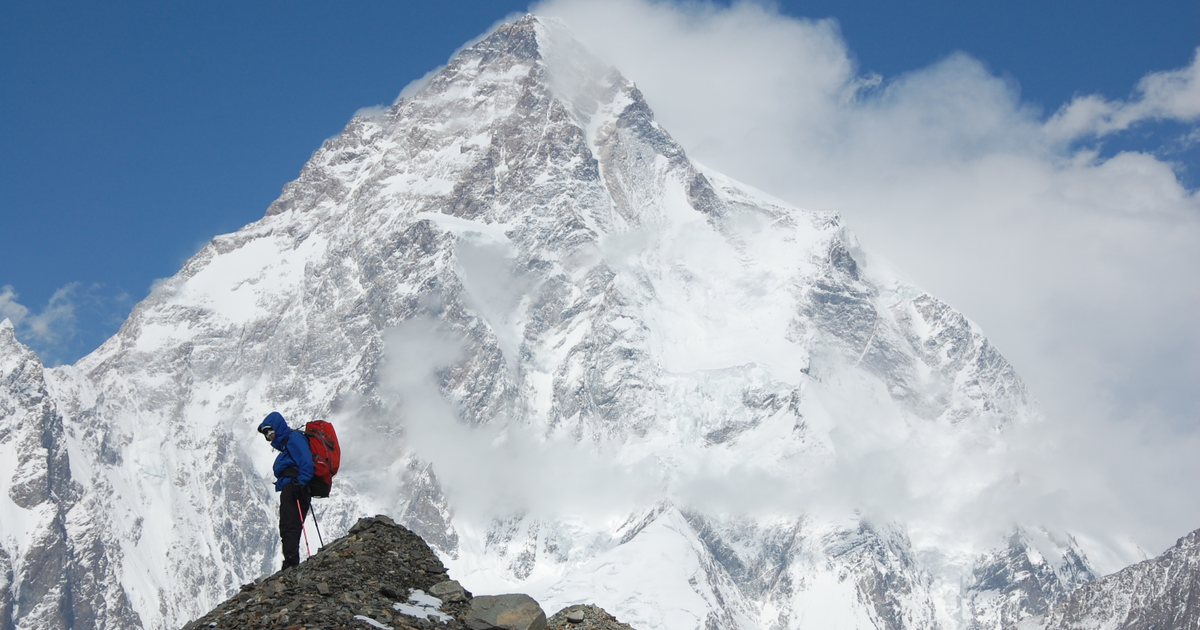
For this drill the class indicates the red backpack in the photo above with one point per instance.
(327, 456)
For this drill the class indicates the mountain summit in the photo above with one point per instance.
(578, 364)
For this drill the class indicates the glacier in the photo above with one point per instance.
(577, 363)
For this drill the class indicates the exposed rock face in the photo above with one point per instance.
(1157, 594)
(599, 291)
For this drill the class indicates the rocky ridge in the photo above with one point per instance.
(1158, 594)
(382, 575)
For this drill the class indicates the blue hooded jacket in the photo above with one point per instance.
(293, 453)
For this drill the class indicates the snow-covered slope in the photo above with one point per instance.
(577, 363)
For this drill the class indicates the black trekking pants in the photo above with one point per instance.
(294, 503)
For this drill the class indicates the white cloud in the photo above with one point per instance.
(45, 331)
(10, 308)
(499, 468)
(56, 322)
(1081, 268)
(1167, 95)
(374, 112)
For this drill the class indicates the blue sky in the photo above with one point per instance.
(132, 132)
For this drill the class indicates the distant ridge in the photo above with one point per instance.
(1162, 593)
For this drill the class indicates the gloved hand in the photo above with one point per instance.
(281, 482)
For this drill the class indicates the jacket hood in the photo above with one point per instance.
(277, 423)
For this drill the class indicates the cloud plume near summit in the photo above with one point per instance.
(978, 196)
(1079, 265)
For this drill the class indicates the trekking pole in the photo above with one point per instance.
(312, 510)
(301, 511)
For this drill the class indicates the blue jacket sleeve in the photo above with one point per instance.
(297, 447)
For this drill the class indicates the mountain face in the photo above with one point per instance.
(575, 362)
(55, 570)
(1163, 592)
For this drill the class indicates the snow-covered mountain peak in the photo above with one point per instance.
(554, 347)
(10, 348)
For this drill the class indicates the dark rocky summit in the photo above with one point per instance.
(381, 575)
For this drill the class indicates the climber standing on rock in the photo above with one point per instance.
(293, 470)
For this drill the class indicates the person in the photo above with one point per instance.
(293, 470)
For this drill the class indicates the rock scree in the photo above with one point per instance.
(381, 575)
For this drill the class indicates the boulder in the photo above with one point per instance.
(506, 612)
(448, 591)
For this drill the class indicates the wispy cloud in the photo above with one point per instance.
(1166, 95)
(54, 333)
(45, 330)
(496, 469)
(1080, 266)
(10, 308)
(56, 323)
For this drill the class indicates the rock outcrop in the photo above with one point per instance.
(382, 575)
(585, 617)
